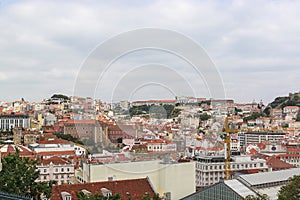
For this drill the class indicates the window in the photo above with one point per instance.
(56, 170)
(62, 176)
(45, 170)
(68, 197)
(62, 169)
(68, 169)
(56, 176)
(45, 177)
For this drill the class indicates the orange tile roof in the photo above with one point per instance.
(136, 188)
(278, 164)
(49, 153)
(81, 122)
(291, 107)
(11, 149)
(55, 141)
(290, 149)
(55, 160)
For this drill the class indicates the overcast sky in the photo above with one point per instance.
(255, 46)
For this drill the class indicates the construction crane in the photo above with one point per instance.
(229, 129)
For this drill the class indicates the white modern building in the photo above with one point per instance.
(258, 137)
(210, 169)
(8, 122)
(170, 179)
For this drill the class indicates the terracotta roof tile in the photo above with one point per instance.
(49, 153)
(55, 160)
(136, 188)
(54, 141)
(278, 164)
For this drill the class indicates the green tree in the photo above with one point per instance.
(60, 96)
(267, 111)
(298, 117)
(69, 137)
(148, 197)
(18, 176)
(254, 116)
(258, 197)
(205, 116)
(237, 110)
(285, 126)
(291, 191)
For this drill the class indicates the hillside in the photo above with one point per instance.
(281, 102)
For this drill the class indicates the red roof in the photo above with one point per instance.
(11, 149)
(55, 160)
(54, 141)
(290, 149)
(49, 153)
(278, 164)
(81, 122)
(133, 188)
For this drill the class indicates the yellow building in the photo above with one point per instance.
(174, 180)
(30, 138)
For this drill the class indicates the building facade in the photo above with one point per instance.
(55, 168)
(8, 122)
(258, 137)
(169, 179)
(211, 169)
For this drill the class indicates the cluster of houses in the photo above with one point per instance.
(80, 141)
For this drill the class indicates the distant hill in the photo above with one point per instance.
(281, 102)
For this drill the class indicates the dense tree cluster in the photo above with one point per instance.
(60, 96)
(254, 116)
(156, 111)
(18, 177)
(69, 138)
(290, 191)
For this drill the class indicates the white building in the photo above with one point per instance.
(53, 146)
(171, 179)
(55, 168)
(8, 122)
(211, 169)
(258, 137)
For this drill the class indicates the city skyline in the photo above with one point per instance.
(255, 48)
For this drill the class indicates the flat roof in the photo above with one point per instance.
(264, 133)
(239, 188)
(269, 177)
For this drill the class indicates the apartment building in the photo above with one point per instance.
(9, 121)
(210, 169)
(258, 137)
(172, 179)
(56, 168)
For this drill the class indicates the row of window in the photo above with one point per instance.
(233, 166)
(57, 170)
(45, 177)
